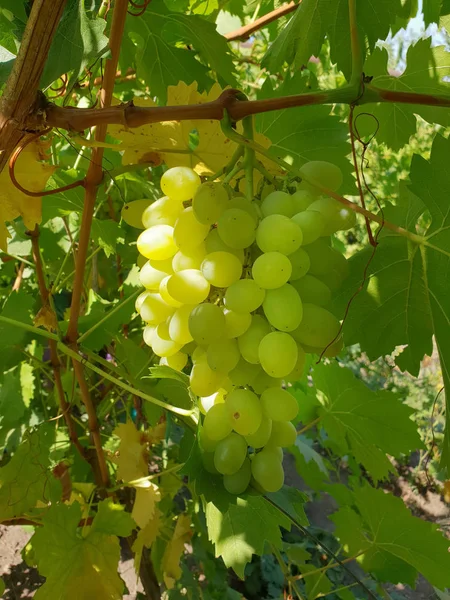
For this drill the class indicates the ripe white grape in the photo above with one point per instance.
(300, 264)
(140, 299)
(157, 242)
(150, 277)
(283, 434)
(177, 361)
(230, 454)
(188, 286)
(209, 202)
(244, 296)
(223, 355)
(278, 233)
(214, 243)
(164, 211)
(188, 232)
(261, 435)
(278, 203)
(246, 205)
(312, 290)
(245, 410)
(236, 323)
(263, 381)
(189, 259)
(279, 404)
(221, 269)
(278, 353)
(318, 327)
(312, 224)
(336, 216)
(132, 213)
(283, 308)
(268, 471)
(154, 310)
(218, 423)
(180, 183)
(179, 325)
(238, 482)
(162, 344)
(272, 270)
(162, 265)
(244, 373)
(236, 228)
(250, 340)
(301, 199)
(203, 380)
(322, 172)
(207, 324)
(165, 293)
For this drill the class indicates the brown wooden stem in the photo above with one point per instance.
(243, 33)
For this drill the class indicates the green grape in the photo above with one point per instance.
(148, 333)
(209, 202)
(208, 463)
(238, 482)
(165, 294)
(221, 269)
(268, 471)
(189, 259)
(263, 381)
(217, 423)
(188, 286)
(261, 435)
(164, 211)
(336, 216)
(206, 402)
(244, 373)
(318, 327)
(311, 223)
(279, 404)
(322, 172)
(207, 324)
(203, 380)
(162, 265)
(230, 454)
(157, 242)
(140, 299)
(180, 183)
(199, 354)
(283, 434)
(214, 243)
(162, 344)
(244, 296)
(250, 340)
(154, 310)
(301, 199)
(150, 277)
(245, 204)
(278, 233)
(188, 232)
(177, 361)
(297, 372)
(236, 323)
(278, 353)
(189, 347)
(283, 308)
(312, 290)
(272, 270)
(300, 264)
(278, 203)
(236, 228)
(206, 443)
(223, 355)
(179, 325)
(132, 213)
(330, 352)
(320, 255)
(338, 270)
(267, 189)
(245, 410)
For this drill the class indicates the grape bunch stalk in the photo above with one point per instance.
(236, 292)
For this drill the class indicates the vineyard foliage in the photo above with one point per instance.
(121, 428)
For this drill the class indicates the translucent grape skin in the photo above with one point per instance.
(322, 172)
(179, 325)
(203, 380)
(236, 323)
(223, 355)
(283, 434)
(236, 228)
(162, 344)
(150, 277)
(189, 259)
(217, 424)
(244, 373)
(157, 242)
(209, 202)
(283, 308)
(245, 204)
(271, 270)
(268, 471)
(279, 404)
(238, 482)
(164, 211)
(188, 232)
(154, 310)
(278, 353)
(244, 296)
(207, 324)
(230, 454)
(132, 213)
(300, 264)
(245, 410)
(335, 216)
(261, 435)
(318, 327)
(214, 243)
(312, 224)
(177, 361)
(188, 286)
(301, 199)
(250, 340)
(221, 269)
(312, 290)
(278, 203)
(278, 233)
(180, 183)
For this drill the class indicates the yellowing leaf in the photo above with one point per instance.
(174, 550)
(132, 459)
(145, 504)
(146, 537)
(32, 173)
(46, 318)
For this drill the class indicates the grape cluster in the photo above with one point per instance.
(239, 288)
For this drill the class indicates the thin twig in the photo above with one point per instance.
(243, 33)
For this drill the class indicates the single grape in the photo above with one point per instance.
(140, 300)
(279, 404)
(236, 323)
(214, 243)
(278, 233)
(206, 443)
(312, 224)
(272, 270)
(312, 290)
(208, 463)
(297, 372)
(283, 308)
(189, 259)
(132, 213)
(300, 264)
(263, 381)
(164, 211)
(165, 294)
(236, 228)
(179, 325)
(177, 361)
(157, 242)
(278, 203)
(188, 232)
(154, 310)
(162, 265)
(217, 423)
(207, 324)
(245, 410)
(246, 205)
(188, 286)
(335, 216)
(150, 277)
(180, 183)
(230, 454)
(301, 199)
(148, 333)
(199, 355)
(162, 344)
(209, 202)
(268, 471)
(283, 434)
(261, 435)
(275, 450)
(223, 355)
(203, 380)
(244, 373)
(221, 269)
(322, 172)
(320, 254)
(318, 327)
(278, 353)
(250, 340)
(244, 296)
(238, 482)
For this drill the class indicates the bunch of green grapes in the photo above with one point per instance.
(236, 292)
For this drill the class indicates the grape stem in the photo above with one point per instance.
(249, 157)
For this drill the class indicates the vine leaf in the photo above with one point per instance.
(144, 507)
(132, 453)
(174, 550)
(32, 172)
(81, 565)
(395, 544)
(146, 537)
(425, 72)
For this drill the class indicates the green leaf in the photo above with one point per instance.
(79, 566)
(12, 407)
(424, 74)
(243, 530)
(309, 454)
(292, 501)
(165, 372)
(369, 424)
(431, 11)
(18, 306)
(107, 234)
(111, 519)
(16, 7)
(79, 40)
(134, 359)
(396, 545)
